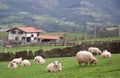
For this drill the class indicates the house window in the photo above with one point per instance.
(32, 35)
(13, 32)
(34, 38)
(16, 38)
(20, 32)
(23, 38)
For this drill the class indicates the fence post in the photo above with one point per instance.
(53, 45)
(65, 44)
(5, 50)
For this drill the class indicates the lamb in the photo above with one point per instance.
(85, 57)
(17, 60)
(25, 63)
(94, 50)
(39, 60)
(106, 54)
(54, 67)
(12, 65)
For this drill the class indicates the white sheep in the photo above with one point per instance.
(94, 50)
(106, 54)
(85, 57)
(17, 60)
(12, 65)
(54, 67)
(25, 63)
(39, 60)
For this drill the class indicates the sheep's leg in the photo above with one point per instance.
(79, 63)
(86, 63)
(48, 71)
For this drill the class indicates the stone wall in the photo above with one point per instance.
(113, 47)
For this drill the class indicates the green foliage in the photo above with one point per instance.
(43, 18)
(105, 68)
(3, 7)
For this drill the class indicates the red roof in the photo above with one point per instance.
(49, 37)
(26, 29)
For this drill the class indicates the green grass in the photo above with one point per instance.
(3, 34)
(67, 34)
(103, 39)
(11, 25)
(31, 48)
(43, 18)
(105, 68)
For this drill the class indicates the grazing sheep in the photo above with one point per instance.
(94, 50)
(106, 54)
(12, 65)
(25, 63)
(85, 57)
(39, 60)
(17, 60)
(54, 67)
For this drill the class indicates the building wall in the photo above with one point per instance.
(18, 36)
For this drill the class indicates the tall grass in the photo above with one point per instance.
(105, 68)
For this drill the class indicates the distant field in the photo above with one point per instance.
(12, 25)
(30, 48)
(3, 34)
(67, 34)
(103, 39)
(105, 68)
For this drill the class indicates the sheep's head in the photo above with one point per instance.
(11, 64)
(100, 52)
(93, 61)
(56, 64)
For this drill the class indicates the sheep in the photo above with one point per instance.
(25, 63)
(12, 65)
(17, 60)
(94, 50)
(54, 67)
(85, 57)
(106, 54)
(39, 60)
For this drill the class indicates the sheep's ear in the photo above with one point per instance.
(58, 62)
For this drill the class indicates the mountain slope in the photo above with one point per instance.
(93, 12)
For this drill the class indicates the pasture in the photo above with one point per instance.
(30, 48)
(105, 68)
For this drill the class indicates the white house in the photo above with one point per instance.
(24, 34)
(30, 35)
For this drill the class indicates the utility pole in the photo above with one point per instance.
(94, 34)
(119, 30)
(84, 27)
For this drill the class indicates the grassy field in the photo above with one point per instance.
(103, 39)
(67, 34)
(105, 68)
(31, 48)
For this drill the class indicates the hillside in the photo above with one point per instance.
(59, 15)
